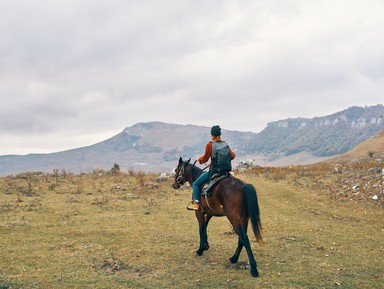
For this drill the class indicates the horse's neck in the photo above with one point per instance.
(194, 175)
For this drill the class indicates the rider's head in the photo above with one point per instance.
(216, 131)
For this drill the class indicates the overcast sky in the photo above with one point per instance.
(76, 72)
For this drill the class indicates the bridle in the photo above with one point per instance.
(180, 178)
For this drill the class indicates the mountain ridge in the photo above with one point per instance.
(156, 146)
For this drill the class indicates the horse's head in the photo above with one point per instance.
(180, 176)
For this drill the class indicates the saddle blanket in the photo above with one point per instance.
(213, 182)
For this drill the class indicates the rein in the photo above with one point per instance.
(181, 177)
(194, 165)
(206, 167)
(201, 169)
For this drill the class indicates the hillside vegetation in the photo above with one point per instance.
(131, 230)
(369, 149)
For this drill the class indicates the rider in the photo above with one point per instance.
(204, 177)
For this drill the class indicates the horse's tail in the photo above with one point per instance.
(253, 210)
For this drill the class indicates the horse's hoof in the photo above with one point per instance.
(233, 260)
(254, 273)
(200, 252)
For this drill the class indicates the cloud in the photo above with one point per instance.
(90, 68)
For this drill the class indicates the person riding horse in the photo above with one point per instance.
(232, 198)
(213, 168)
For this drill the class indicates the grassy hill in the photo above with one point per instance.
(371, 148)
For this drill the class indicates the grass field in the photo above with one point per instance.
(130, 230)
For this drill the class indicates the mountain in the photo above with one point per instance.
(153, 146)
(321, 136)
(156, 146)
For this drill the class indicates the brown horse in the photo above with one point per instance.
(232, 198)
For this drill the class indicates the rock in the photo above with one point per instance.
(337, 171)
(162, 177)
(244, 165)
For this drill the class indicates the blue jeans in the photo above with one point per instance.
(204, 177)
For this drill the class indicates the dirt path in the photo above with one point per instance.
(316, 242)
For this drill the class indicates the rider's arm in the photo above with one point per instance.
(233, 155)
(207, 154)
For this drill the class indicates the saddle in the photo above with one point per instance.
(213, 182)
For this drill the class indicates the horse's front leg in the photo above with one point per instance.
(207, 218)
(203, 223)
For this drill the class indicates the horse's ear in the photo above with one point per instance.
(189, 160)
(180, 160)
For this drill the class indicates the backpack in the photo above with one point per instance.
(221, 158)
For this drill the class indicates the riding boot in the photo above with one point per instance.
(193, 206)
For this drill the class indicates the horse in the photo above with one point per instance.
(231, 198)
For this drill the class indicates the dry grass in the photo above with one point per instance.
(355, 180)
(132, 231)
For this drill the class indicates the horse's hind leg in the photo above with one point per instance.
(235, 256)
(240, 228)
(240, 244)
(244, 239)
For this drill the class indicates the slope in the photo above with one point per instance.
(371, 148)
